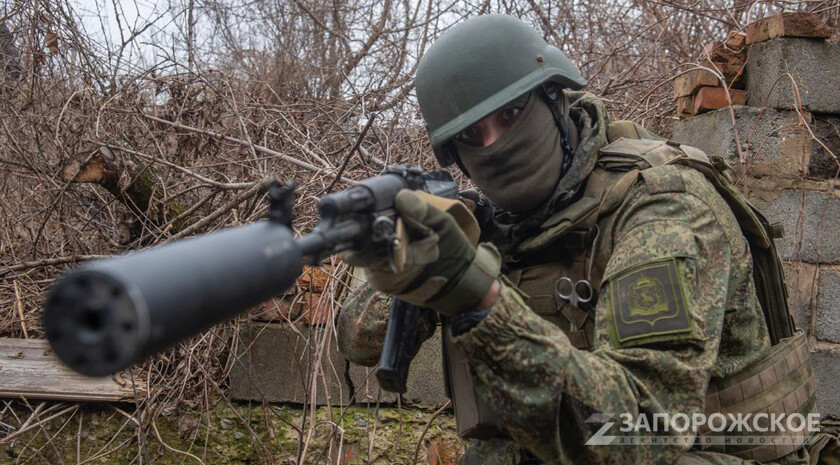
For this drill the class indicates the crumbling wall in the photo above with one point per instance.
(783, 146)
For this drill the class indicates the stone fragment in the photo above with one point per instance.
(810, 220)
(812, 65)
(690, 82)
(714, 98)
(800, 24)
(777, 143)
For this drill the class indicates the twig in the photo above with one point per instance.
(19, 305)
(426, 429)
(350, 154)
(257, 148)
(49, 262)
(255, 189)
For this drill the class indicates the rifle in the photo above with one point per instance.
(109, 314)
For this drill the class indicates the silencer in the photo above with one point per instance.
(109, 314)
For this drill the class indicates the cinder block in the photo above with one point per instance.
(776, 142)
(425, 378)
(828, 306)
(827, 373)
(813, 65)
(275, 363)
(810, 220)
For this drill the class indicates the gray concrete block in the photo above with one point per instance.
(275, 363)
(828, 306)
(775, 141)
(827, 373)
(813, 65)
(818, 214)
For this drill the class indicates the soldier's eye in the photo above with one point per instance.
(508, 115)
(471, 135)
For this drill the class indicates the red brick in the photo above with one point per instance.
(350, 455)
(690, 82)
(314, 278)
(733, 72)
(721, 52)
(443, 452)
(714, 98)
(787, 25)
(736, 40)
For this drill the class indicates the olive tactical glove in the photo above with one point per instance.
(442, 270)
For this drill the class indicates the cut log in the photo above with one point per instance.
(131, 185)
(29, 369)
(802, 24)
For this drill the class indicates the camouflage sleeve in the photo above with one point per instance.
(667, 287)
(363, 320)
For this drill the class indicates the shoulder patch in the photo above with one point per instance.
(648, 304)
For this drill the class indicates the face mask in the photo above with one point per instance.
(520, 170)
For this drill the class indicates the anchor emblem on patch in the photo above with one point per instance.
(649, 304)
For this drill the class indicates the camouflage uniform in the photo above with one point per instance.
(674, 229)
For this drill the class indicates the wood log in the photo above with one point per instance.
(131, 185)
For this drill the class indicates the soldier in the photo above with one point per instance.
(613, 275)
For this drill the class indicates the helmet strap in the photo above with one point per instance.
(553, 95)
(451, 154)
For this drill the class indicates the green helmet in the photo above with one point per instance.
(478, 66)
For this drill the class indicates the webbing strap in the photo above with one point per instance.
(780, 383)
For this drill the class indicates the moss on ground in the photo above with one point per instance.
(230, 435)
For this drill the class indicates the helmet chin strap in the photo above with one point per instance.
(553, 95)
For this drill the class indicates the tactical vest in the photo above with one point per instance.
(781, 382)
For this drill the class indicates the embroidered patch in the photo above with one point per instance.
(649, 304)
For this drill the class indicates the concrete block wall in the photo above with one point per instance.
(788, 169)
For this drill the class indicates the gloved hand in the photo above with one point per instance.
(442, 270)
